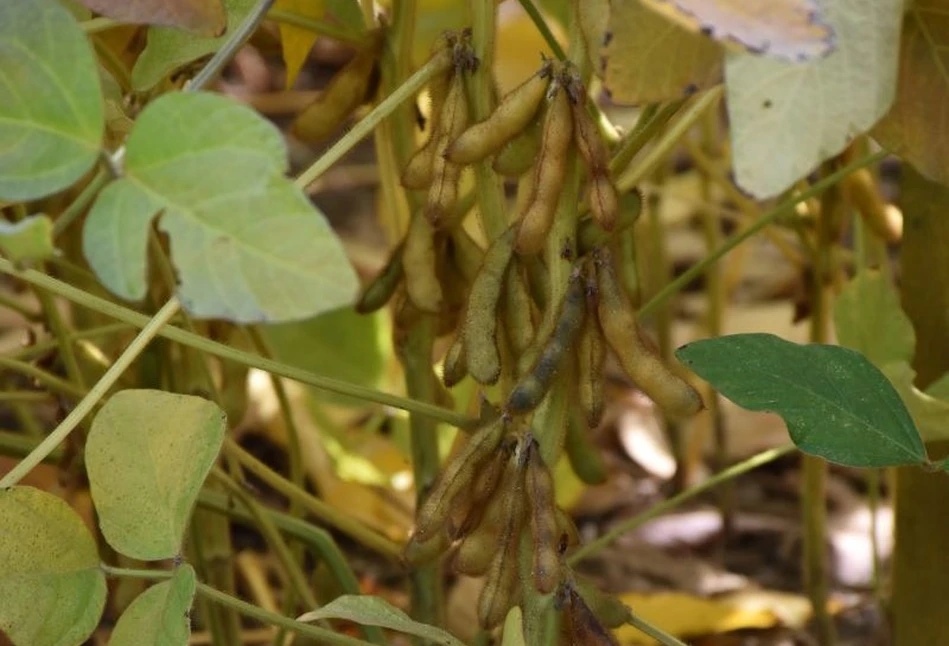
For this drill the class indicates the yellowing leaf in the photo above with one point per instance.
(649, 58)
(204, 17)
(915, 127)
(787, 118)
(930, 412)
(297, 42)
(791, 30)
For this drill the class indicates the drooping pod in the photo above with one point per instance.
(591, 361)
(584, 457)
(417, 552)
(862, 191)
(378, 291)
(345, 92)
(534, 384)
(469, 506)
(455, 366)
(549, 173)
(419, 171)
(643, 365)
(480, 326)
(604, 201)
(545, 534)
(517, 307)
(590, 235)
(517, 156)
(419, 261)
(443, 191)
(509, 119)
(457, 474)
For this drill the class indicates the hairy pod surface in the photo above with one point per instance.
(549, 174)
(604, 202)
(511, 116)
(643, 365)
(417, 552)
(519, 324)
(479, 547)
(381, 288)
(455, 366)
(517, 156)
(480, 329)
(419, 171)
(590, 235)
(443, 192)
(458, 473)
(345, 92)
(469, 506)
(543, 514)
(585, 459)
(534, 384)
(500, 589)
(419, 260)
(591, 361)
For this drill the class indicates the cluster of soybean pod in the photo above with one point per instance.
(493, 505)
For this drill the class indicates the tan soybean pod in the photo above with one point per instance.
(500, 588)
(862, 191)
(517, 156)
(534, 384)
(548, 176)
(345, 92)
(604, 201)
(544, 531)
(509, 118)
(469, 506)
(417, 552)
(419, 261)
(455, 366)
(457, 474)
(479, 547)
(381, 288)
(480, 326)
(419, 170)
(643, 365)
(584, 457)
(591, 361)
(443, 191)
(517, 307)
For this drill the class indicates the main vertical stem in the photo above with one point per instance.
(920, 584)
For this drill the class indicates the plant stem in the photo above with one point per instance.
(655, 511)
(659, 635)
(650, 122)
(366, 125)
(226, 352)
(79, 204)
(315, 506)
(26, 396)
(96, 393)
(49, 380)
(99, 23)
(227, 51)
(8, 302)
(321, 635)
(531, 10)
(783, 208)
(42, 347)
(320, 27)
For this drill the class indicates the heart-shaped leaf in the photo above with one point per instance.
(375, 611)
(160, 616)
(204, 17)
(52, 591)
(51, 115)
(247, 244)
(786, 118)
(147, 455)
(836, 404)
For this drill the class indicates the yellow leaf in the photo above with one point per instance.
(298, 42)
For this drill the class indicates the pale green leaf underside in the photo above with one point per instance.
(28, 240)
(374, 611)
(835, 403)
(147, 456)
(159, 616)
(51, 114)
(247, 245)
(869, 319)
(786, 118)
(52, 591)
(169, 49)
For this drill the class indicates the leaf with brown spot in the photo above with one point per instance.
(791, 30)
(915, 127)
(649, 58)
(203, 17)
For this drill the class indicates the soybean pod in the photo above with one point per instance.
(455, 367)
(419, 260)
(480, 327)
(517, 156)
(479, 546)
(604, 203)
(544, 531)
(510, 117)
(443, 192)
(586, 628)
(534, 384)
(458, 473)
(584, 457)
(591, 361)
(643, 365)
(549, 174)
(519, 324)
(419, 170)
(378, 292)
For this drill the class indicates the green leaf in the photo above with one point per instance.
(51, 116)
(915, 127)
(650, 58)
(836, 404)
(169, 49)
(930, 412)
(52, 591)
(374, 611)
(869, 319)
(247, 245)
(340, 344)
(28, 240)
(147, 456)
(160, 616)
(786, 118)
